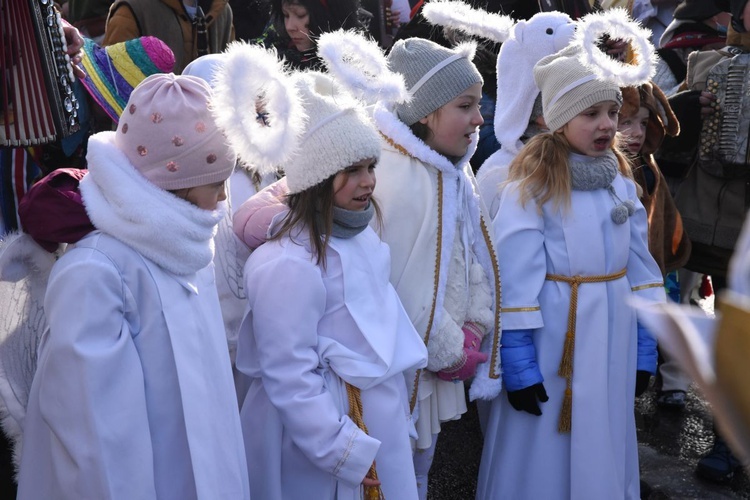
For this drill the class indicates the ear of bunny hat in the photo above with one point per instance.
(617, 25)
(361, 67)
(252, 80)
(544, 34)
(463, 17)
(662, 120)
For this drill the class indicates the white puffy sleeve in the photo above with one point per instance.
(91, 386)
(287, 300)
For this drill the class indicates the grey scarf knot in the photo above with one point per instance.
(590, 173)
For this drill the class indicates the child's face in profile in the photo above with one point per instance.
(591, 131)
(452, 125)
(353, 186)
(633, 129)
(206, 197)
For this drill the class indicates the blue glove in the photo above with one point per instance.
(518, 359)
(647, 353)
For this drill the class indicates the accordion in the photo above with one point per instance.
(37, 104)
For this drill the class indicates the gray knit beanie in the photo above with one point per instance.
(446, 74)
(338, 132)
(568, 87)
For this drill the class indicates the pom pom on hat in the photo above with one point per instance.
(113, 72)
(169, 135)
(568, 87)
(434, 75)
(338, 133)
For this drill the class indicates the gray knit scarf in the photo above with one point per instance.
(588, 173)
(349, 223)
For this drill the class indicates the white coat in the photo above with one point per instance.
(427, 204)
(308, 330)
(524, 455)
(133, 394)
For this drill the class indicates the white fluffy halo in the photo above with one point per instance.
(253, 78)
(616, 24)
(360, 65)
(463, 17)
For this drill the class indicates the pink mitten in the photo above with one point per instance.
(465, 368)
(472, 336)
(253, 218)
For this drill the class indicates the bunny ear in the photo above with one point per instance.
(360, 65)
(461, 16)
(252, 81)
(617, 25)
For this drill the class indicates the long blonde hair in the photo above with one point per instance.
(543, 169)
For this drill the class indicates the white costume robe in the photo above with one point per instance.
(524, 456)
(307, 331)
(428, 203)
(133, 395)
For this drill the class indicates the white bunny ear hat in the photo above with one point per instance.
(251, 81)
(463, 17)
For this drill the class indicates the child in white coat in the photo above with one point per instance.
(325, 339)
(133, 394)
(443, 263)
(572, 234)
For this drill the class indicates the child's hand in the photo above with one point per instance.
(367, 481)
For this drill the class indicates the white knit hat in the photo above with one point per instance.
(338, 133)
(568, 87)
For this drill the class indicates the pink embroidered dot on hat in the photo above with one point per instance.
(170, 136)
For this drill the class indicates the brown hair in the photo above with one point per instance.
(543, 169)
(307, 209)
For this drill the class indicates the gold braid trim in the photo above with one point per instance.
(496, 269)
(436, 282)
(644, 287)
(566, 363)
(357, 415)
(398, 147)
(520, 309)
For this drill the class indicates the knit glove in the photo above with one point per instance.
(648, 358)
(467, 365)
(521, 376)
(648, 355)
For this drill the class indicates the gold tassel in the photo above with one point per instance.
(566, 363)
(566, 414)
(355, 413)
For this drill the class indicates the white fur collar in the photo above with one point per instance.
(174, 233)
(397, 131)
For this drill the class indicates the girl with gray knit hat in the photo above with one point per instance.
(325, 340)
(443, 264)
(572, 236)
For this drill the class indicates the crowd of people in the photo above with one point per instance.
(292, 239)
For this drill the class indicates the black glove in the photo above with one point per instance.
(526, 399)
(642, 378)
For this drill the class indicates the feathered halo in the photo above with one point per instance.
(360, 65)
(250, 83)
(462, 17)
(617, 25)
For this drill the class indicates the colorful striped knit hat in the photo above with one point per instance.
(113, 72)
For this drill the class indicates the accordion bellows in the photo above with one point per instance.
(113, 72)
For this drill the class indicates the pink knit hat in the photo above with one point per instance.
(169, 135)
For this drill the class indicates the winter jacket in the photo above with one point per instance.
(169, 21)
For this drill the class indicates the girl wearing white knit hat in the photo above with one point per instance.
(572, 236)
(325, 339)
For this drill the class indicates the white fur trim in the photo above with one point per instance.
(461, 16)
(252, 78)
(360, 65)
(393, 128)
(618, 26)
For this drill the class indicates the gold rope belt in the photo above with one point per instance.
(566, 363)
(356, 414)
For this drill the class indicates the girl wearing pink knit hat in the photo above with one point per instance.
(133, 394)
